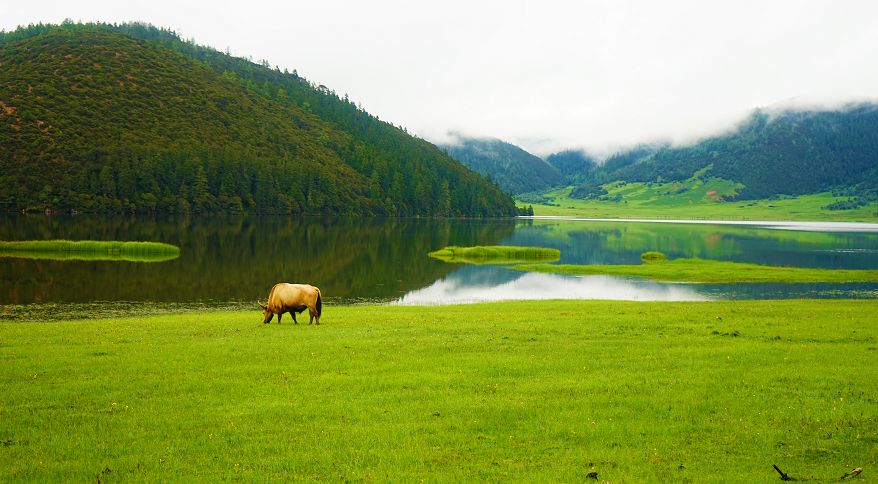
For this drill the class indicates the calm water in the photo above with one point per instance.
(238, 259)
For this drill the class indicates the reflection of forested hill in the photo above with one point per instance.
(240, 258)
(623, 242)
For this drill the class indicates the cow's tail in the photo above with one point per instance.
(319, 304)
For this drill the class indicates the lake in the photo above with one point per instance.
(236, 259)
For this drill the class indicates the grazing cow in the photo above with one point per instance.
(292, 298)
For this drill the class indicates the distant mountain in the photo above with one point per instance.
(573, 164)
(100, 117)
(770, 154)
(629, 156)
(788, 153)
(512, 168)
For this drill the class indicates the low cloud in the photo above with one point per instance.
(591, 75)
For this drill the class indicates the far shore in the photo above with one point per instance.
(815, 226)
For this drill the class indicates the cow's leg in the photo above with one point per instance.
(294, 317)
(279, 316)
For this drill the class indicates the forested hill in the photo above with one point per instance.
(515, 170)
(573, 164)
(100, 117)
(787, 153)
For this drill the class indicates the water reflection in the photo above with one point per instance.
(851, 290)
(239, 258)
(234, 259)
(615, 242)
(454, 289)
(472, 285)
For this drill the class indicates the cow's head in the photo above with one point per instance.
(267, 314)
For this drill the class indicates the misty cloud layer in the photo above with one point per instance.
(551, 75)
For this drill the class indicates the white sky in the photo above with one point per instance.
(547, 74)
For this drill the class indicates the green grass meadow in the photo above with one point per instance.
(518, 391)
(697, 199)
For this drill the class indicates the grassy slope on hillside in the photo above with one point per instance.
(545, 391)
(640, 200)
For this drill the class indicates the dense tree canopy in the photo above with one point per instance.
(514, 170)
(102, 117)
(573, 164)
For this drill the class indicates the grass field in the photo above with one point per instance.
(523, 391)
(696, 199)
(89, 250)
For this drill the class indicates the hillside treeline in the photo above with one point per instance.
(97, 117)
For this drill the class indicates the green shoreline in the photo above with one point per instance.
(524, 391)
(709, 271)
(639, 200)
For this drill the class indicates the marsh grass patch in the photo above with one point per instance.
(495, 254)
(129, 251)
(653, 256)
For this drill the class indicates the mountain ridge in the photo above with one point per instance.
(772, 153)
(792, 152)
(511, 167)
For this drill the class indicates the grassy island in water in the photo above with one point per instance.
(89, 250)
(495, 254)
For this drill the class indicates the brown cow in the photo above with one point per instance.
(292, 298)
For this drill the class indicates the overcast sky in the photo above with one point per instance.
(546, 75)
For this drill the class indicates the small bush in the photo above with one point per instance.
(653, 256)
